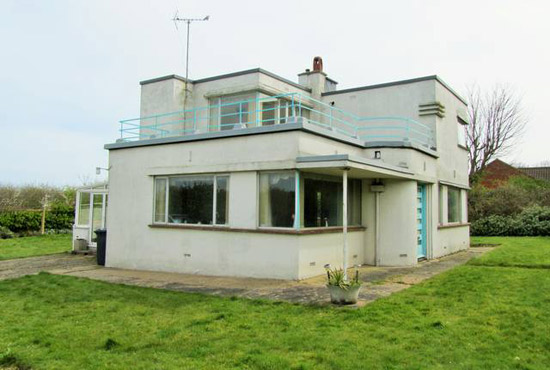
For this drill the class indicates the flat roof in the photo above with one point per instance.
(227, 75)
(396, 83)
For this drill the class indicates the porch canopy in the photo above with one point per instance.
(360, 168)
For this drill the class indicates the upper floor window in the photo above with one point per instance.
(198, 200)
(461, 127)
(234, 111)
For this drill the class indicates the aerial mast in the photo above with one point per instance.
(188, 21)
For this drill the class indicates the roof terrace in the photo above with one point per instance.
(285, 109)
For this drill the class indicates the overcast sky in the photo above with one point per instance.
(70, 70)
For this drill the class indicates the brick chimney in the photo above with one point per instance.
(317, 80)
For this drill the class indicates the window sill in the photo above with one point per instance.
(306, 231)
(452, 225)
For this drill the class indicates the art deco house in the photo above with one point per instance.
(251, 174)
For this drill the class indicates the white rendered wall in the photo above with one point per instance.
(319, 249)
(398, 223)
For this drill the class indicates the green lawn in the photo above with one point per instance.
(34, 246)
(518, 252)
(467, 318)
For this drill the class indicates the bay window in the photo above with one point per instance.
(195, 200)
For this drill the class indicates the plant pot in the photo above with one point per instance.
(339, 295)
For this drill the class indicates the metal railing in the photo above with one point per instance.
(275, 110)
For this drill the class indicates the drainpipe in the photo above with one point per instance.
(345, 221)
(377, 187)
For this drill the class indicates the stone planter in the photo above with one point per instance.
(340, 295)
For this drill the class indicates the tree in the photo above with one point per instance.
(497, 122)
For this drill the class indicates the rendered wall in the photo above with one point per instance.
(398, 223)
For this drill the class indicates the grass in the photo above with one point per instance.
(531, 252)
(473, 316)
(34, 246)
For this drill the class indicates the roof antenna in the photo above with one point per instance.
(177, 19)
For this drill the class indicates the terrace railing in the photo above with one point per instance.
(275, 110)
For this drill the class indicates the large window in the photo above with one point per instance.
(277, 197)
(198, 200)
(453, 205)
(323, 201)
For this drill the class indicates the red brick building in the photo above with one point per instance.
(498, 172)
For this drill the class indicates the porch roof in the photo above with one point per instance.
(359, 167)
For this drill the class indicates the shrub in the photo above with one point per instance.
(532, 221)
(59, 217)
(6, 233)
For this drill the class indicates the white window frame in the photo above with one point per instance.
(214, 198)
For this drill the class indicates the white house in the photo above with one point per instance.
(242, 175)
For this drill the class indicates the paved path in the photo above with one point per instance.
(62, 262)
(379, 281)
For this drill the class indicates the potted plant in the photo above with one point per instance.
(342, 290)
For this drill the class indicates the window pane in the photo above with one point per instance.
(222, 183)
(160, 200)
(283, 111)
(84, 209)
(453, 202)
(277, 194)
(191, 200)
(268, 113)
(97, 213)
(323, 202)
(234, 111)
(461, 134)
(440, 204)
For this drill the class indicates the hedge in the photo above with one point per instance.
(532, 221)
(57, 218)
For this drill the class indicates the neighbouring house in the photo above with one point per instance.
(251, 174)
(497, 173)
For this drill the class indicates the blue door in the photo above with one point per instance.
(421, 222)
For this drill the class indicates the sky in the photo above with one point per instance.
(70, 70)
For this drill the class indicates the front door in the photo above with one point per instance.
(421, 222)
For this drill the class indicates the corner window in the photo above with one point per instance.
(191, 200)
(453, 205)
(323, 201)
(277, 199)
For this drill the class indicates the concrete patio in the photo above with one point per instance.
(378, 281)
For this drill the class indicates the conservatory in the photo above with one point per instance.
(90, 215)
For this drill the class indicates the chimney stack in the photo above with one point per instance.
(317, 80)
